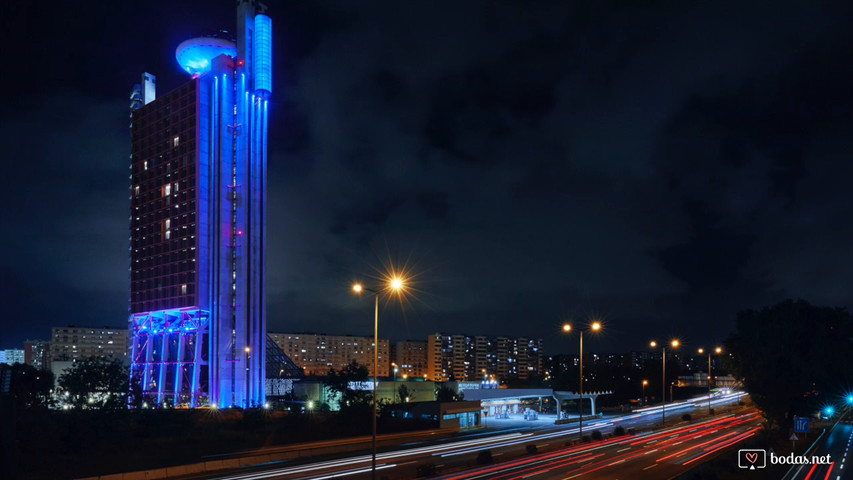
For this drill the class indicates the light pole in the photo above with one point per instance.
(395, 285)
(643, 402)
(248, 361)
(675, 344)
(718, 351)
(595, 327)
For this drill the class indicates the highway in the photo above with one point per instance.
(662, 454)
(838, 446)
(675, 449)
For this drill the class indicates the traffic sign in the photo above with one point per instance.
(794, 437)
(801, 424)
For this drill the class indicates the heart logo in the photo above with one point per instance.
(751, 457)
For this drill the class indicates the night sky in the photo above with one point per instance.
(660, 167)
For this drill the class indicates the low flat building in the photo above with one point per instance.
(462, 415)
(11, 356)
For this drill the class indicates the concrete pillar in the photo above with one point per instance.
(558, 406)
(592, 402)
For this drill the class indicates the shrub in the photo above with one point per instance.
(619, 431)
(686, 417)
(596, 435)
(531, 449)
(484, 457)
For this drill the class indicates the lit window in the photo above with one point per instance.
(168, 234)
(176, 141)
(136, 191)
(167, 189)
(168, 224)
(145, 165)
(183, 289)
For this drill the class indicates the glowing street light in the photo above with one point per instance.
(645, 382)
(595, 327)
(395, 285)
(674, 343)
(718, 351)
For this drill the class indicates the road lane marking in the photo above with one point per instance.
(620, 451)
(651, 466)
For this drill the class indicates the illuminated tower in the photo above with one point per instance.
(198, 221)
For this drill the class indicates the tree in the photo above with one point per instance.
(339, 385)
(29, 386)
(403, 393)
(447, 394)
(97, 383)
(793, 357)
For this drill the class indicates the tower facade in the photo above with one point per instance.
(198, 221)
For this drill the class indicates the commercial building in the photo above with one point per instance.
(198, 189)
(410, 356)
(11, 356)
(37, 354)
(464, 357)
(73, 343)
(317, 353)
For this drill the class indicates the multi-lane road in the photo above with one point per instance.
(661, 454)
(651, 454)
(837, 465)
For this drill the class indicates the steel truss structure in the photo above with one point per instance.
(170, 355)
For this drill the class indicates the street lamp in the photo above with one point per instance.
(645, 382)
(718, 351)
(395, 285)
(594, 327)
(674, 344)
(248, 362)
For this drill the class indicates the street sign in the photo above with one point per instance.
(794, 437)
(801, 425)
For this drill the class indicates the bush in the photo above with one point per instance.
(686, 417)
(619, 431)
(485, 457)
(585, 439)
(531, 449)
(426, 469)
(596, 435)
(631, 431)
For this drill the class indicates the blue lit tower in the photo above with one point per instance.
(198, 221)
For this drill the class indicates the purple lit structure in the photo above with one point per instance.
(198, 222)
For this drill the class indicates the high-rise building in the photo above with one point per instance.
(464, 357)
(317, 353)
(73, 343)
(197, 221)
(37, 353)
(411, 358)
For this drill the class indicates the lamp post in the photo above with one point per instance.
(595, 327)
(718, 351)
(653, 344)
(248, 361)
(643, 402)
(395, 285)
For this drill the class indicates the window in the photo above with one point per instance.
(136, 191)
(183, 289)
(167, 189)
(145, 164)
